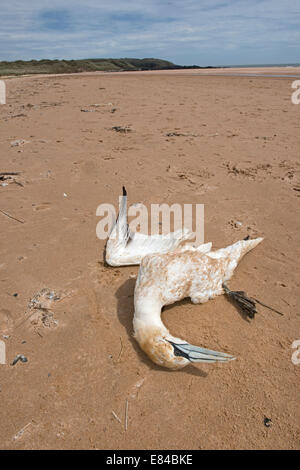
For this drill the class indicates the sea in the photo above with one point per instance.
(253, 74)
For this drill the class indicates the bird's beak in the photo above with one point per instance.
(197, 354)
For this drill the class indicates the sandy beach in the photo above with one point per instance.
(235, 150)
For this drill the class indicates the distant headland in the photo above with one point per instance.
(46, 66)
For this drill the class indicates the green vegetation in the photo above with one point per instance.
(20, 67)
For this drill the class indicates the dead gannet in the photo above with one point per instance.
(166, 278)
(124, 247)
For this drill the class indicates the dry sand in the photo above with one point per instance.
(83, 363)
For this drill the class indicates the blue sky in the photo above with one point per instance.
(202, 32)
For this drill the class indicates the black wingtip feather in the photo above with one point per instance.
(179, 353)
(245, 303)
(124, 191)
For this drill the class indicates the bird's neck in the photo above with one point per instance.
(147, 316)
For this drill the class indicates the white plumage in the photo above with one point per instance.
(166, 278)
(170, 271)
(124, 247)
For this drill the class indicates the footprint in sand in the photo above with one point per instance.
(297, 189)
(43, 206)
(193, 178)
(103, 274)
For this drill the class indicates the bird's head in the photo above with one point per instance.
(174, 353)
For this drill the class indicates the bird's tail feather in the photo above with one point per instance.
(242, 247)
(237, 250)
(234, 253)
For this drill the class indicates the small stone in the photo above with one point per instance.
(19, 357)
(267, 422)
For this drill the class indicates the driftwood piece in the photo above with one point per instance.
(9, 173)
(11, 217)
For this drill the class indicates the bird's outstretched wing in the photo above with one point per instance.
(128, 248)
(141, 244)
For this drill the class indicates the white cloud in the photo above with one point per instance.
(188, 32)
